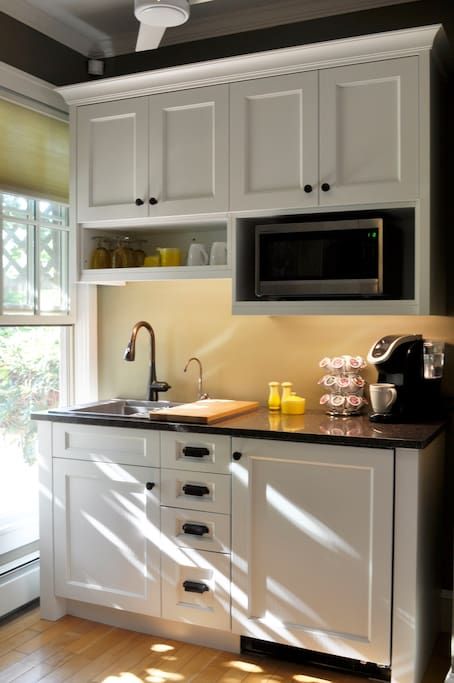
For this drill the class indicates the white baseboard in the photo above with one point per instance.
(19, 587)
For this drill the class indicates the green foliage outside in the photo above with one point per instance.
(29, 381)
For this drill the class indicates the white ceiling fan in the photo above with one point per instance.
(157, 15)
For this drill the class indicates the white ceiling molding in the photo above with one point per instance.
(391, 44)
(45, 23)
(21, 88)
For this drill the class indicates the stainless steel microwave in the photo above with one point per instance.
(319, 259)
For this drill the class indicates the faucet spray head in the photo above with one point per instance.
(130, 351)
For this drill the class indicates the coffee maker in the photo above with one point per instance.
(400, 360)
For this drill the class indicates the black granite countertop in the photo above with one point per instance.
(313, 427)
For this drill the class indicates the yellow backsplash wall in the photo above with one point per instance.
(240, 354)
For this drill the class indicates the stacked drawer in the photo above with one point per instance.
(195, 528)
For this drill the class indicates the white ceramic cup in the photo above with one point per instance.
(197, 255)
(382, 397)
(218, 254)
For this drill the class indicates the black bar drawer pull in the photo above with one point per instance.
(195, 529)
(195, 490)
(195, 451)
(195, 587)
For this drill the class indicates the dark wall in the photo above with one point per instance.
(408, 15)
(38, 55)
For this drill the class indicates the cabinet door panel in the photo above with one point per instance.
(107, 535)
(369, 132)
(112, 160)
(312, 547)
(188, 151)
(274, 131)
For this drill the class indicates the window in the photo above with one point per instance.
(35, 244)
(34, 366)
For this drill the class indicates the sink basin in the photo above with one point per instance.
(117, 407)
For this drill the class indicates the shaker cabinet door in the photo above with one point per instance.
(189, 151)
(112, 160)
(106, 535)
(369, 136)
(274, 142)
(312, 532)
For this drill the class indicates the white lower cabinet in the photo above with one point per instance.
(312, 532)
(106, 534)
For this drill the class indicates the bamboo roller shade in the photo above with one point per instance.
(34, 153)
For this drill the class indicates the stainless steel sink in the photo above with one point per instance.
(117, 407)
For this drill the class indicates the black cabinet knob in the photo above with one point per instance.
(153, 201)
(150, 485)
(308, 188)
(237, 455)
(326, 187)
(139, 201)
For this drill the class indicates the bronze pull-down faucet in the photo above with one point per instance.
(201, 393)
(154, 386)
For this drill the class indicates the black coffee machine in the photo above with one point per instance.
(400, 361)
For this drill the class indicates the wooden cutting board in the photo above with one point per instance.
(203, 412)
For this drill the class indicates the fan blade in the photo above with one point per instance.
(149, 37)
(198, 2)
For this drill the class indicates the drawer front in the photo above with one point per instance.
(106, 444)
(198, 530)
(197, 452)
(196, 588)
(195, 490)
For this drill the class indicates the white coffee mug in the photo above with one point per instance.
(218, 254)
(382, 397)
(197, 255)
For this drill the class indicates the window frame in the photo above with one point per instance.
(35, 317)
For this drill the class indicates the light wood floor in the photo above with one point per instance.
(80, 651)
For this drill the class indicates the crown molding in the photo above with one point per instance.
(45, 23)
(21, 88)
(373, 47)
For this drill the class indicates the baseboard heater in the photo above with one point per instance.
(19, 585)
(300, 656)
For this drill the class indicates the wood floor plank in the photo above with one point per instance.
(114, 649)
(134, 654)
(57, 630)
(34, 669)
(17, 641)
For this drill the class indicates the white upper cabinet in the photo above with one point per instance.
(274, 142)
(112, 159)
(347, 135)
(189, 152)
(369, 132)
(153, 156)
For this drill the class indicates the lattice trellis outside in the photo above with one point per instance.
(34, 255)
